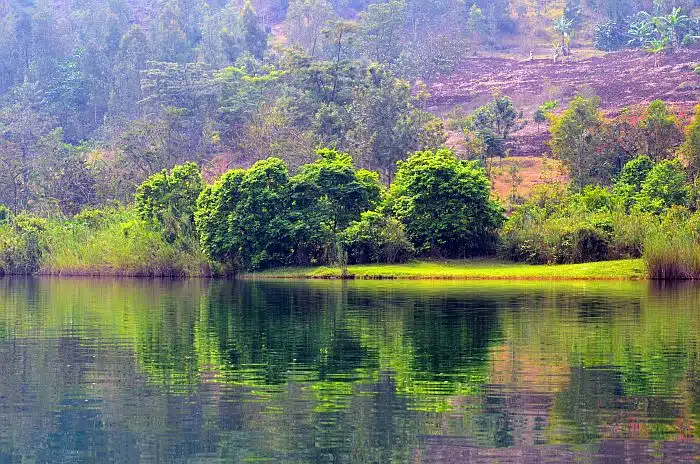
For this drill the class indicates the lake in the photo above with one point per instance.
(358, 372)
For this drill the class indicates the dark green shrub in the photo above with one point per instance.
(611, 36)
(590, 243)
(244, 218)
(445, 205)
(22, 244)
(5, 214)
(168, 200)
(376, 238)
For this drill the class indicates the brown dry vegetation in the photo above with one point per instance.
(533, 171)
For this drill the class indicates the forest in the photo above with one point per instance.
(183, 137)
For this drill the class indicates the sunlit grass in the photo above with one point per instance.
(470, 269)
(120, 246)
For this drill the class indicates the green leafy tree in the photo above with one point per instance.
(326, 196)
(671, 27)
(335, 189)
(666, 185)
(632, 176)
(244, 219)
(381, 27)
(691, 145)
(542, 111)
(387, 125)
(64, 181)
(498, 116)
(577, 140)
(635, 172)
(660, 131)
(444, 204)
(131, 59)
(254, 32)
(169, 200)
(306, 21)
(170, 34)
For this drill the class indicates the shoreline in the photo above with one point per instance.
(472, 269)
(481, 269)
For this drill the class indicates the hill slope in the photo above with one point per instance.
(620, 79)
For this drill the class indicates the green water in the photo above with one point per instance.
(210, 371)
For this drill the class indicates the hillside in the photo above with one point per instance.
(621, 79)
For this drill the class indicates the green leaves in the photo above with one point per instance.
(444, 204)
(168, 200)
(653, 188)
(261, 217)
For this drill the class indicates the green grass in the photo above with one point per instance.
(121, 245)
(468, 269)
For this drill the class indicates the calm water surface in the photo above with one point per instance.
(305, 372)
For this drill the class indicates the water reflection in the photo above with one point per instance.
(175, 371)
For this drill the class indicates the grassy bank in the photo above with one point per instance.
(468, 269)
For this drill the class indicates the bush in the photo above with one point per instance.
(666, 185)
(445, 205)
(532, 237)
(611, 36)
(376, 238)
(260, 217)
(23, 244)
(589, 226)
(244, 219)
(168, 200)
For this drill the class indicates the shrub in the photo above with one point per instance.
(445, 205)
(23, 244)
(168, 200)
(666, 185)
(611, 36)
(532, 237)
(376, 238)
(589, 226)
(244, 218)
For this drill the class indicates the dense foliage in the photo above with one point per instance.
(445, 204)
(112, 114)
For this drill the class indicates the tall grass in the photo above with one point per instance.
(672, 253)
(119, 244)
